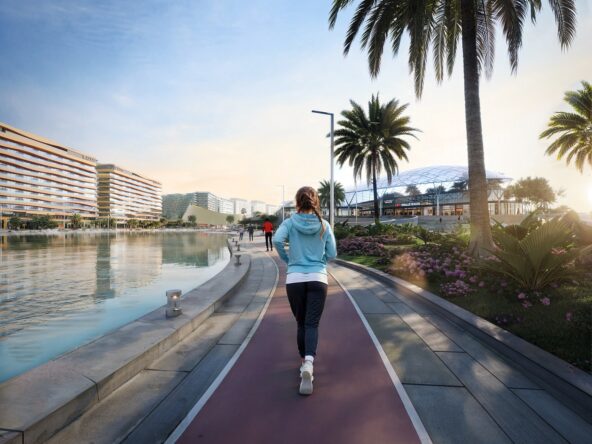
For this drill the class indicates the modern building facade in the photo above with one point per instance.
(272, 209)
(430, 191)
(175, 205)
(41, 177)
(258, 207)
(125, 195)
(225, 206)
(240, 204)
(206, 200)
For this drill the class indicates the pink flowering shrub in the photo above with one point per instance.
(366, 246)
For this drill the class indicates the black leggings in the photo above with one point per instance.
(307, 300)
(268, 243)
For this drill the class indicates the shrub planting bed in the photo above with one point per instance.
(556, 316)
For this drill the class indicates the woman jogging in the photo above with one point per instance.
(311, 244)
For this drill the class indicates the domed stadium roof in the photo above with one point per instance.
(433, 175)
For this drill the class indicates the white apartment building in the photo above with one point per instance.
(225, 206)
(239, 204)
(272, 209)
(258, 207)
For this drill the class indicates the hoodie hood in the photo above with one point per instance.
(306, 223)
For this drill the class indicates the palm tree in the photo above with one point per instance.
(412, 190)
(574, 128)
(76, 221)
(373, 141)
(459, 186)
(441, 24)
(325, 193)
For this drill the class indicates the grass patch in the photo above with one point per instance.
(369, 261)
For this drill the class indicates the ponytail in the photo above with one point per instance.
(307, 199)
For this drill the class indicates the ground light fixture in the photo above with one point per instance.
(173, 303)
(332, 191)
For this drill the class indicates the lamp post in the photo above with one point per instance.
(332, 188)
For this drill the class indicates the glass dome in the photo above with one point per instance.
(432, 176)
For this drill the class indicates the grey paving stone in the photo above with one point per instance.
(358, 287)
(411, 358)
(238, 302)
(451, 416)
(186, 355)
(41, 401)
(385, 294)
(571, 426)
(433, 337)
(493, 362)
(8, 437)
(241, 328)
(368, 302)
(159, 424)
(109, 421)
(515, 418)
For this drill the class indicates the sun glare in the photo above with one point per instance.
(590, 193)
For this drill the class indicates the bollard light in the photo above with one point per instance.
(173, 303)
(238, 262)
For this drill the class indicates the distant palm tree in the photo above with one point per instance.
(460, 185)
(412, 190)
(373, 141)
(436, 190)
(441, 24)
(325, 193)
(574, 129)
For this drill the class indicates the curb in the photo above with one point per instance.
(563, 380)
(43, 400)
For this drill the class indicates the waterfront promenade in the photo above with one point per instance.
(390, 369)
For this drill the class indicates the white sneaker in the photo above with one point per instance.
(306, 378)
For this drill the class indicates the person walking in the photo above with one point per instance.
(251, 230)
(268, 231)
(241, 231)
(312, 243)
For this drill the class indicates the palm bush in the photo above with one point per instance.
(542, 257)
(519, 231)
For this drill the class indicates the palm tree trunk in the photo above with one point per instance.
(481, 239)
(375, 187)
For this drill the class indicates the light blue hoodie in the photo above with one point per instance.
(309, 251)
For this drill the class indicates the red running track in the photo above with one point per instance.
(354, 400)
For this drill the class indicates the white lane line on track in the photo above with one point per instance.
(415, 419)
(173, 437)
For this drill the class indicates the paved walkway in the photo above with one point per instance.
(354, 399)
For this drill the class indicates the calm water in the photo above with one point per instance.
(60, 291)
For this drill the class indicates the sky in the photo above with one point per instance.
(216, 95)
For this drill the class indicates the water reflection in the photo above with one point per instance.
(60, 291)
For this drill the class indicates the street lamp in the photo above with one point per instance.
(332, 190)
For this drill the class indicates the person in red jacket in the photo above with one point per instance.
(268, 230)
